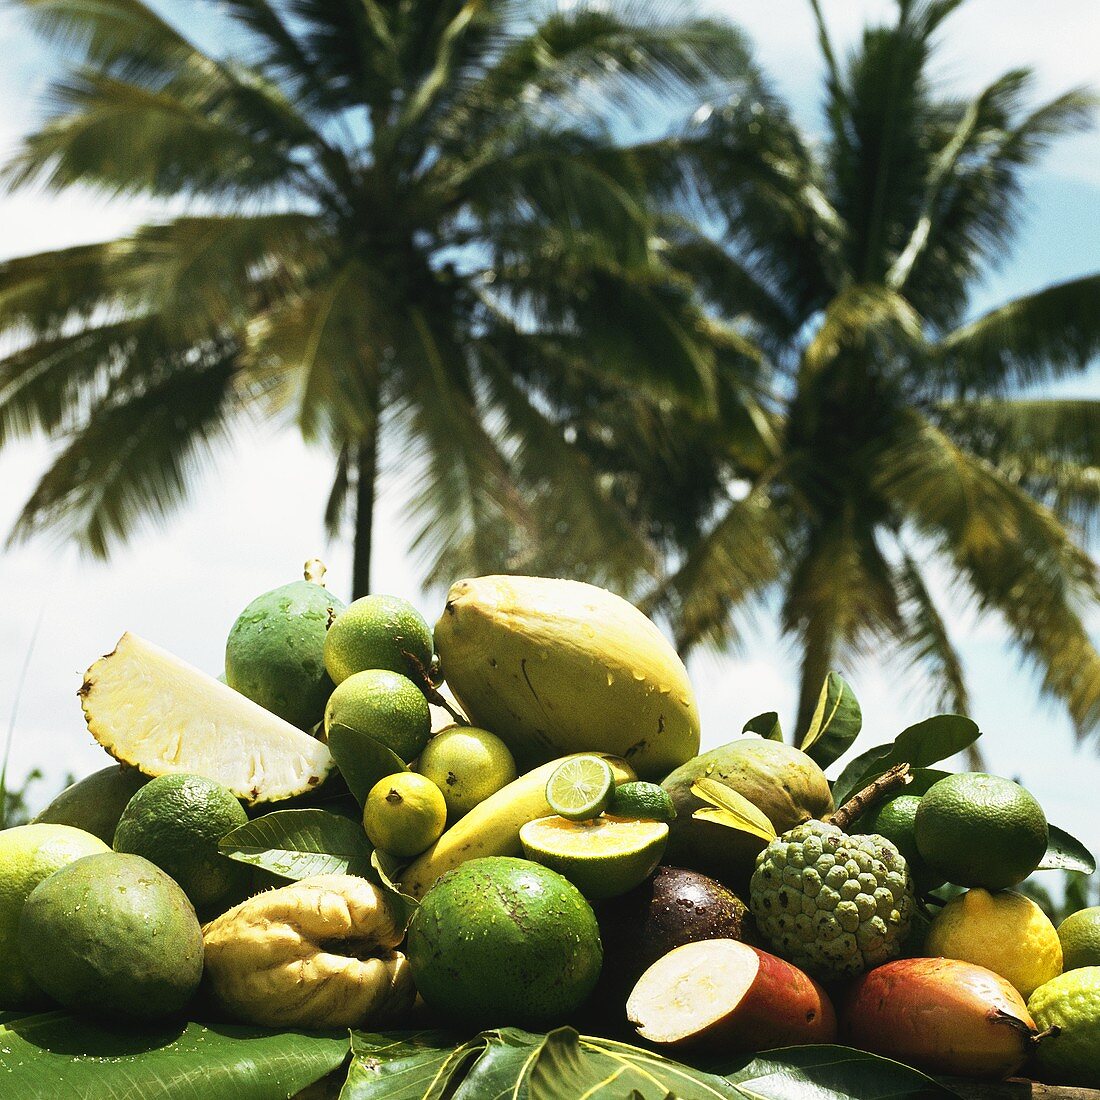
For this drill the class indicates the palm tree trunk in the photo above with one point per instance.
(366, 464)
(817, 660)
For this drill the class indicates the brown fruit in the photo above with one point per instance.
(674, 907)
(940, 1015)
(727, 996)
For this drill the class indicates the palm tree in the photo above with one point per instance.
(881, 445)
(390, 220)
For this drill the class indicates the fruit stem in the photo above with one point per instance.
(419, 676)
(314, 571)
(871, 795)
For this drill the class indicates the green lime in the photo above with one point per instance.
(1070, 1003)
(468, 765)
(275, 651)
(29, 854)
(580, 788)
(1080, 936)
(112, 933)
(499, 940)
(383, 705)
(176, 821)
(896, 820)
(378, 632)
(405, 813)
(603, 858)
(980, 830)
(645, 800)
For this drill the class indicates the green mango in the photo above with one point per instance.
(778, 779)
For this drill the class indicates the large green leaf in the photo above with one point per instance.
(1066, 853)
(766, 724)
(920, 746)
(836, 722)
(832, 1072)
(55, 1055)
(562, 1065)
(298, 843)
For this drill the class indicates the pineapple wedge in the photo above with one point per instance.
(152, 710)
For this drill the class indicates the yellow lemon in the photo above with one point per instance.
(405, 813)
(1004, 932)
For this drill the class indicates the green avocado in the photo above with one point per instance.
(95, 803)
(113, 934)
(275, 651)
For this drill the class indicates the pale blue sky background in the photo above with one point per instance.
(256, 515)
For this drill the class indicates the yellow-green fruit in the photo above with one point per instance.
(556, 666)
(492, 827)
(384, 705)
(1005, 932)
(404, 814)
(1080, 937)
(468, 765)
(28, 855)
(378, 632)
(1070, 1003)
(778, 779)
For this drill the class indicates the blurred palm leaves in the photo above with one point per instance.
(882, 453)
(399, 219)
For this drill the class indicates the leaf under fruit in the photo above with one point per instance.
(731, 808)
(1066, 853)
(296, 844)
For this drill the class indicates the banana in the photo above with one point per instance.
(492, 827)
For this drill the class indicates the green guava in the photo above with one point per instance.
(275, 651)
(112, 934)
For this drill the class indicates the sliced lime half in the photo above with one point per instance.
(580, 788)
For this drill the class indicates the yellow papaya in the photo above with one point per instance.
(555, 666)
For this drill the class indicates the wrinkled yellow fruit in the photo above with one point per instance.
(318, 953)
(555, 666)
(1004, 931)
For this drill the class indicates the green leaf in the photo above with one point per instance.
(829, 1072)
(55, 1054)
(766, 724)
(836, 722)
(732, 809)
(1066, 853)
(384, 868)
(920, 746)
(361, 759)
(298, 843)
(416, 1065)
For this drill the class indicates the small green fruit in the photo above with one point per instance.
(378, 632)
(275, 651)
(468, 765)
(383, 705)
(96, 802)
(405, 814)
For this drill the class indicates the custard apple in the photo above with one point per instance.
(833, 904)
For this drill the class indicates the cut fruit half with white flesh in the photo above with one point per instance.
(729, 996)
(152, 710)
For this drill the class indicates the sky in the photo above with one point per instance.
(256, 512)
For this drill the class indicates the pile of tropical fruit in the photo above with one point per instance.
(507, 822)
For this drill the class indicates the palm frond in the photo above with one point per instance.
(135, 456)
(926, 640)
(315, 354)
(1049, 334)
(724, 573)
(862, 317)
(1011, 552)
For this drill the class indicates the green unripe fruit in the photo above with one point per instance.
(113, 934)
(378, 632)
(383, 705)
(275, 651)
(981, 830)
(501, 941)
(96, 802)
(176, 822)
